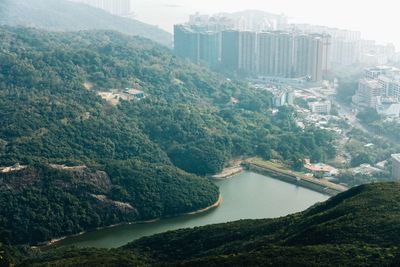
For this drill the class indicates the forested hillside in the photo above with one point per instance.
(356, 228)
(52, 113)
(49, 114)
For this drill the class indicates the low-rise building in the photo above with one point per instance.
(135, 93)
(282, 95)
(365, 169)
(381, 165)
(282, 98)
(320, 169)
(396, 166)
(388, 107)
(380, 89)
(320, 107)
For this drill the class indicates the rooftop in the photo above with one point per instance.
(396, 157)
(321, 102)
(365, 169)
(371, 83)
(319, 167)
(133, 91)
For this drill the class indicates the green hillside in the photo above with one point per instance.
(356, 228)
(63, 15)
(53, 111)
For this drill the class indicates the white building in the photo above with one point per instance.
(379, 89)
(283, 98)
(320, 107)
(375, 72)
(388, 107)
(367, 93)
(396, 166)
(281, 95)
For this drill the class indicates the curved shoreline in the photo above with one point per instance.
(235, 167)
(213, 206)
(57, 240)
(228, 173)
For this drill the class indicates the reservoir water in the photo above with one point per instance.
(245, 196)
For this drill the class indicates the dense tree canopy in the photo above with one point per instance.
(52, 113)
(356, 228)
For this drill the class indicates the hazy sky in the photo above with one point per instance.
(379, 20)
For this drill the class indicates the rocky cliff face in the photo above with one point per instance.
(67, 178)
(16, 181)
(55, 200)
(84, 177)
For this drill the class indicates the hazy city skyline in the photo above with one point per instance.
(341, 14)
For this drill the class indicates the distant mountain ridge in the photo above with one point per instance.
(63, 15)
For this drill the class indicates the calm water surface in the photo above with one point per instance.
(245, 196)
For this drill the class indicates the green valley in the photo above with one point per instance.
(52, 113)
(199, 133)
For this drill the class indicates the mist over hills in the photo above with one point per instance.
(62, 15)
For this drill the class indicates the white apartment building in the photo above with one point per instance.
(380, 89)
(367, 93)
(320, 107)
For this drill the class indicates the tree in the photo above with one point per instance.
(361, 158)
(296, 163)
(264, 150)
(346, 90)
(369, 115)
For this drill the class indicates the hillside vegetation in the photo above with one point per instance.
(64, 15)
(356, 228)
(52, 114)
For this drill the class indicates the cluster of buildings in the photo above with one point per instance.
(115, 7)
(317, 99)
(380, 89)
(320, 169)
(272, 53)
(250, 20)
(315, 109)
(348, 48)
(264, 44)
(326, 122)
(344, 43)
(323, 170)
(365, 169)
